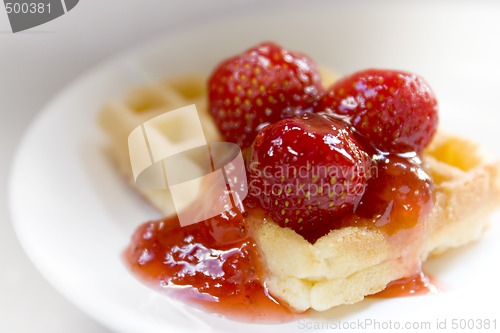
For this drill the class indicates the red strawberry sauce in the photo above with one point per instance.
(215, 264)
(212, 264)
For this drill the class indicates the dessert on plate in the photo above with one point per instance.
(350, 185)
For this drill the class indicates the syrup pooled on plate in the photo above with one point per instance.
(419, 284)
(213, 264)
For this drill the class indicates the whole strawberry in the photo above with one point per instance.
(396, 110)
(306, 171)
(260, 86)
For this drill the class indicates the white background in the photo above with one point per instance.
(34, 66)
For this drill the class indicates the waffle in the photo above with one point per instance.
(119, 117)
(345, 265)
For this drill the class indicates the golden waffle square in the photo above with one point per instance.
(119, 117)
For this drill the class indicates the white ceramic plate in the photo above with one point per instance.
(74, 214)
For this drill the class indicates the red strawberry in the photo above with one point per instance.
(259, 86)
(306, 171)
(396, 110)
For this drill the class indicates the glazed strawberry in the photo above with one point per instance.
(396, 110)
(261, 85)
(306, 171)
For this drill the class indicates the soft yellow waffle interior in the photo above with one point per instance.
(347, 264)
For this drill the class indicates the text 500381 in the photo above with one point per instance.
(27, 7)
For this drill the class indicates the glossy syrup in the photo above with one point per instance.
(215, 264)
(419, 284)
